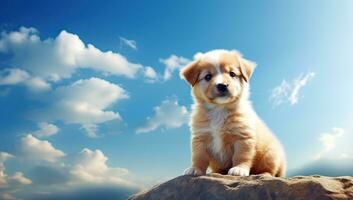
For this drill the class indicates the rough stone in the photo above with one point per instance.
(223, 187)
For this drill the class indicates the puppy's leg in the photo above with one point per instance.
(282, 170)
(200, 156)
(244, 152)
(266, 174)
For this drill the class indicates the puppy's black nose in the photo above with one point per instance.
(222, 88)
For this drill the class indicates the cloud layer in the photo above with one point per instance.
(59, 58)
(52, 170)
(84, 102)
(87, 166)
(15, 76)
(169, 115)
(173, 63)
(130, 43)
(46, 129)
(328, 141)
(33, 149)
(335, 157)
(290, 92)
(90, 167)
(10, 184)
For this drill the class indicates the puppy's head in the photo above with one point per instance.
(218, 76)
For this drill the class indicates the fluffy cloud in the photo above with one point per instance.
(55, 59)
(151, 75)
(290, 91)
(172, 64)
(169, 114)
(3, 182)
(15, 76)
(280, 93)
(87, 169)
(298, 84)
(3, 157)
(46, 130)
(19, 179)
(328, 141)
(7, 196)
(10, 184)
(90, 167)
(33, 148)
(334, 159)
(130, 43)
(84, 102)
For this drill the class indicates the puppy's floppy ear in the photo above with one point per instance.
(191, 73)
(247, 68)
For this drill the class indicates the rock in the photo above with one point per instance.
(216, 187)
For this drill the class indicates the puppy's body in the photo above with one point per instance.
(227, 134)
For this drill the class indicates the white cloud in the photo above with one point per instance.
(3, 157)
(298, 84)
(328, 141)
(55, 59)
(91, 130)
(172, 64)
(150, 73)
(130, 43)
(3, 182)
(37, 84)
(84, 102)
(10, 183)
(290, 91)
(7, 196)
(169, 114)
(36, 149)
(19, 179)
(87, 168)
(280, 92)
(91, 167)
(46, 130)
(15, 76)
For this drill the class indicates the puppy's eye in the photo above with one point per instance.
(208, 77)
(232, 74)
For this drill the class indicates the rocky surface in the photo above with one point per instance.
(216, 187)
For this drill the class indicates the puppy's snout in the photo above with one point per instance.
(222, 88)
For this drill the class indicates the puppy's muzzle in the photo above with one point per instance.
(222, 89)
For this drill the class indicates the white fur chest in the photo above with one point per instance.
(217, 117)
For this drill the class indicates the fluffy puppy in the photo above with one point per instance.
(227, 134)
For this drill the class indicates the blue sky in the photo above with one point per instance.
(90, 92)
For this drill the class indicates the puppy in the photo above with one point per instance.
(227, 134)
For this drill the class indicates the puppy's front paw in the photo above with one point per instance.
(238, 171)
(193, 171)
